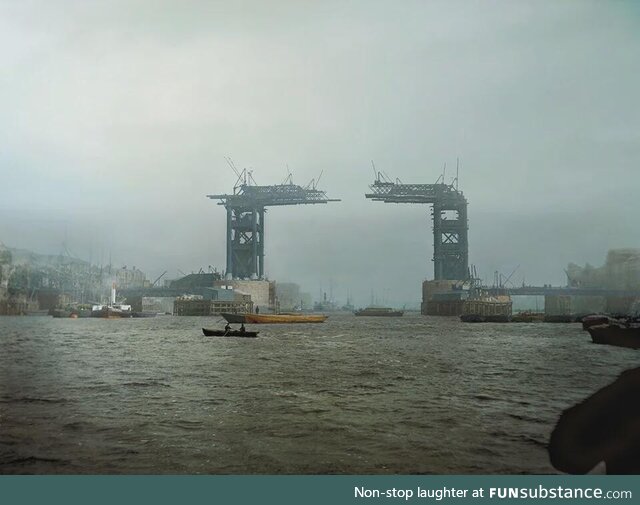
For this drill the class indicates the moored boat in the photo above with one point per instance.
(527, 317)
(594, 320)
(71, 312)
(38, 313)
(379, 312)
(249, 318)
(491, 318)
(559, 318)
(615, 334)
(229, 333)
(234, 318)
(61, 313)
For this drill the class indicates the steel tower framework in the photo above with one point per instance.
(246, 209)
(449, 214)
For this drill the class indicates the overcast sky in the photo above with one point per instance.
(116, 117)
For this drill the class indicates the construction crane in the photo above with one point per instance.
(159, 277)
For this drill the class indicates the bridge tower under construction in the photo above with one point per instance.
(449, 215)
(246, 209)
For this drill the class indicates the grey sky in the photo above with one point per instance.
(116, 117)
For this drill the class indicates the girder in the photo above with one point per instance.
(266, 196)
(392, 192)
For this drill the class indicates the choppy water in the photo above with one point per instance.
(352, 395)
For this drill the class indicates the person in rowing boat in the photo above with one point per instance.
(242, 330)
(227, 328)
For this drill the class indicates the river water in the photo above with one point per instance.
(353, 395)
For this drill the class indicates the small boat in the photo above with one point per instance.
(528, 317)
(228, 333)
(248, 318)
(379, 312)
(61, 313)
(71, 312)
(37, 313)
(559, 318)
(615, 334)
(492, 318)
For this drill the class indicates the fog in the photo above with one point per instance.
(116, 119)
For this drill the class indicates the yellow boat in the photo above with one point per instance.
(274, 318)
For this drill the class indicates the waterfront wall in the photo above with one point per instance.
(262, 292)
(201, 307)
(429, 306)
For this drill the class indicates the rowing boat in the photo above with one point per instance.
(228, 333)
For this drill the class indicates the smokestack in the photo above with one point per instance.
(113, 293)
